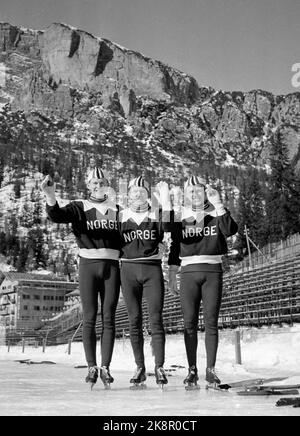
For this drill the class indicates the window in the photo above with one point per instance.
(25, 307)
(37, 297)
(36, 307)
(26, 297)
(51, 298)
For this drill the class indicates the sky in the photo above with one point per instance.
(227, 44)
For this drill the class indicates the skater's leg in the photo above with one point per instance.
(133, 293)
(211, 297)
(109, 294)
(88, 286)
(154, 294)
(190, 296)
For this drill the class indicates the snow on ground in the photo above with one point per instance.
(60, 389)
(4, 267)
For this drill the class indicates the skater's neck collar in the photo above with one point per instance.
(194, 212)
(141, 208)
(200, 208)
(98, 200)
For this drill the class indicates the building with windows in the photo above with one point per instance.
(27, 299)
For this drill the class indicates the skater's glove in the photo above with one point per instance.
(214, 198)
(48, 187)
(173, 287)
(163, 195)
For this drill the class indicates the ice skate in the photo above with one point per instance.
(161, 378)
(212, 379)
(92, 376)
(138, 379)
(106, 377)
(191, 379)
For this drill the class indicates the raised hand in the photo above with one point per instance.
(48, 187)
(213, 195)
(164, 194)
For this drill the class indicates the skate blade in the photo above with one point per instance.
(161, 386)
(92, 385)
(138, 387)
(213, 387)
(107, 386)
(192, 387)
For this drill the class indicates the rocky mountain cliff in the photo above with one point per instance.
(92, 89)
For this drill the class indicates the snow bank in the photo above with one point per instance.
(264, 351)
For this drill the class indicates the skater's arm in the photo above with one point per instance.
(66, 214)
(214, 198)
(227, 224)
(174, 253)
(62, 215)
(174, 264)
(166, 218)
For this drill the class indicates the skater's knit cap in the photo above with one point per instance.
(139, 181)
(194, 181)
(96, 173)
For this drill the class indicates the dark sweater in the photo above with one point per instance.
(141, 240)
(206, 242)
(95, 226)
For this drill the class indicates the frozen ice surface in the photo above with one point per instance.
(61, 390)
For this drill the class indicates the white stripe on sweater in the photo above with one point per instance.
(99, 253)
(204, 258)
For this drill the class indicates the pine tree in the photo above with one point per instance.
(81, 185)
(37, 212)
(251, 212)
(17, 188)
(258, 215)
(12, 243)
(3, 245)
(242, 219)
(37, 247)
(22, 257)
(26, 215)
(283, 200)
(1, 170)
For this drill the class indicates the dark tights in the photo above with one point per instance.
(97, 276)
(138, 279)
(196, 286)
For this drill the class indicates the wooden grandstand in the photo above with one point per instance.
(266, 294)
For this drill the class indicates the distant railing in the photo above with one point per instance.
(271, 253)
(66, 320)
